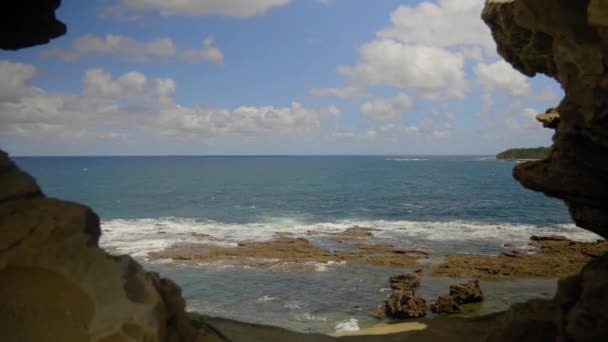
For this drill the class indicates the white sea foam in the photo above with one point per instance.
(405, 159)
(140, 236)
(349, 325)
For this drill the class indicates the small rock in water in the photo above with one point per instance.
(404, 304)
(549, 238)
(404, 282)
(378, 313)
(469, 292)
(446, 305)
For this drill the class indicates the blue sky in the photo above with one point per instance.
(269, 77)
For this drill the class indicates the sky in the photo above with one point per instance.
(262, 77)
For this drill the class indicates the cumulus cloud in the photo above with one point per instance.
(444, 23)
(345, 92)
(13, 78)
(387, 108)
(116, 45)
(207, 53)
(501, 76)
(231, 8)
(428, 71)
(132, 49)
(112, 107)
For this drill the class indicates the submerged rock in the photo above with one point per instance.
(404, 304)
(446, 305)
(469, 292)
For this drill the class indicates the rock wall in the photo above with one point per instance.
(25, 23)
(566, 40)
(57, 284)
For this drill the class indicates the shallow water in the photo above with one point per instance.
(443, 205)
(320, 301)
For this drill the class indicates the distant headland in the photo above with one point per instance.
(524, 153)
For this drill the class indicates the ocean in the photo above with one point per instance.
(440, 204)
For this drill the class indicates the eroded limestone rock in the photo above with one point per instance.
(446, 305)
(565, 40)
(404, 304)
(469, 292)
(57, 284)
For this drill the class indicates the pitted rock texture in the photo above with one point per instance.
(469, 292)
(565, 40)
(404, 304)
(57, 284)
(25, 23)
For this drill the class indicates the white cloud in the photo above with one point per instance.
(387, 108)
(429, 71)
(231, 8)
(116, 45)
(547, 95)
(114, 107)
(13, 78)
(208, 53)
(131, 49)
(345, 92)
(502, 77)
(444, 23)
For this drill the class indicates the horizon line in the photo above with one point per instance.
(245, 155)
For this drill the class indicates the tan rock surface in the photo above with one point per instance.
(557, 258)
(565, 40)
(289, 250)
(57, 284)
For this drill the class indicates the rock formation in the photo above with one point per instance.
(446, 305)
(57, 282)
(404, 304)
(466, 293)
(24, 23)
(404, 282)
(565, 40)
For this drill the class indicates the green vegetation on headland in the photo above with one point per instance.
(524, 153)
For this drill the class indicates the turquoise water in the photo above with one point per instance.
(440, 204)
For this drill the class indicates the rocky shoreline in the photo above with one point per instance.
(543, 257)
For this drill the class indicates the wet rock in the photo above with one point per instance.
(548, 238)
(446, 305)
(556, 257)
(378, 313)
(404, 304)
(403, 282)
(469, 292)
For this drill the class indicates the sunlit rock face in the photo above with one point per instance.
(566, 40)
(58, 285)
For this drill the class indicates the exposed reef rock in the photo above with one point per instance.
(25, 23)
(298, 253)
(57, 282)
(565, 40)
(466, 293)
(446, 305)
(555, 257)
(404, 304)
(404, 282)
